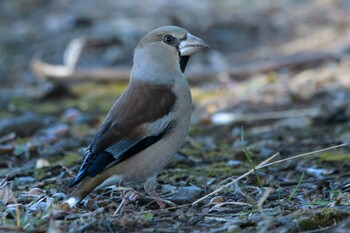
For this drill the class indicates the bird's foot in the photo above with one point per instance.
(160, 201)
(150, 187)
(126, 199)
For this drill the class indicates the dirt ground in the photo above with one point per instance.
(274, 83)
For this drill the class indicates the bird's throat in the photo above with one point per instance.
(183, 62)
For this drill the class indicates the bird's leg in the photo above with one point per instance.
(150, 186)
(159, 201)
(126, 199)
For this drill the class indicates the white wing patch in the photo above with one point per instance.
(158, 126)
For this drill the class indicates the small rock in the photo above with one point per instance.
(36, 191)
(59, 147)
(85, 119)
(11, 209)
(70, 115)
(64, 206)
(216, 200)
(75, 117)
(318, 173)
(185, 194)
(40, 163)
(233, 162)
(167, 188)
(57, 131)
(58, 214)
(24, 125)
(59, 196)
(39, 206)
(25, 180)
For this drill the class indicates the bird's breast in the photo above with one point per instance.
(150, 161)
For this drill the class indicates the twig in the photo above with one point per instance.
(8, 137)
(72, 52)
(265, 163)
(261, 201)
(302, 155)
(127, 198)
(235, 180)
(122, 203)
(64, 73)
(231, 203)
(263, 198)
(69, 171)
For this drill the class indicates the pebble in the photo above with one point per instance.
(59, 196)
(185, 194)
(24, 180)
(216, 200)
(36, 191)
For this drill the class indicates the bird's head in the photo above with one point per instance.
(166, 49)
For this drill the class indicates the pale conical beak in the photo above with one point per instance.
(191, 45)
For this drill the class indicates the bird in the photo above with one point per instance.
(148, 123)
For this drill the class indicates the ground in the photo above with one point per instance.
(278, 86)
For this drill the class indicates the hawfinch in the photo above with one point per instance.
(149, 121)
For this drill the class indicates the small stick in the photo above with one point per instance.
(265, 195)
(69, 171)
(265, 163)
(301, 155)
(8, 137)
(235, 180)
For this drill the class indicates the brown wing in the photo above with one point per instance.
(138, 119)
(141, 103)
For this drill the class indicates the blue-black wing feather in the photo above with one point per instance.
(94, 164)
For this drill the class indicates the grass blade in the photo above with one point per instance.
(297, 187)
(250, 161)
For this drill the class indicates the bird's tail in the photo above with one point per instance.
(92, 165)
(83, 189)
(90, 175)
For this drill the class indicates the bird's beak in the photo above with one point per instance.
(191, 45)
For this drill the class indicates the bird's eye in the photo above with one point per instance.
(168, 39)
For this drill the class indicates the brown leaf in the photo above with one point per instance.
(6, 194)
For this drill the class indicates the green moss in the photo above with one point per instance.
(332, 156)
(325, 218)
(200, 174)
(221, 170)
(147, 217)
(92, 98)
(39, 173)
(69, 159)
(317, 203)
(51, 186)
(82, 130)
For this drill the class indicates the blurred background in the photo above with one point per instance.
(279, 68)
(262, 52)
(239, 32)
